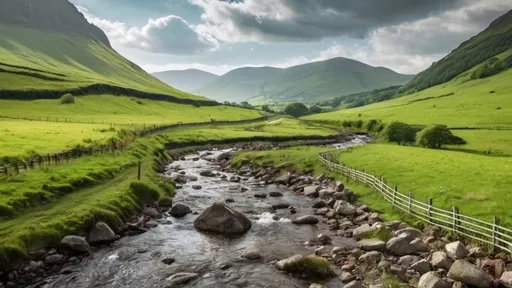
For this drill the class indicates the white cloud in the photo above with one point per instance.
(167, 35)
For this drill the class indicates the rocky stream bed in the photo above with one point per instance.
(256, 227)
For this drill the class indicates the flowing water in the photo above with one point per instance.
(136, 262)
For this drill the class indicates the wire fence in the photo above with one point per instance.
(490, 233)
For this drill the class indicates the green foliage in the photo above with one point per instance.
(296, 109)
(67, 99)
(358, 124)
(392, 281)
(437, 136)
(315, 109)
(492, 67)
(311, 267)
(383, 234)
(371, 125)
(363, 98)
(400, 133)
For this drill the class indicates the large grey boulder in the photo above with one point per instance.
(439, 259)
(307, 219)
(409, 233)
(101, 233)
(470, 274)
(222, 219)
(506, 278)
(75, 243)
(456, 250)
(402, 245)
(371, 245)
(180, 210)
(344, 208)
(431, 280)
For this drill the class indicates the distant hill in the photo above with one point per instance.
(187, 80)
(48, 48)
(494, 40)
(310, 82)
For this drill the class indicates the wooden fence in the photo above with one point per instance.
(487, 232)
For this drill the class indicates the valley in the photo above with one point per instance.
(108, 171)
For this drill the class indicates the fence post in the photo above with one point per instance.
(364, 175)
(429, 208)
(410, 203)
(455, 220)
(495, 223)
(138, 170)
(394, 196)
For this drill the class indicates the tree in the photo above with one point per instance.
(296, 109)
(315, 109)
(246, 104)
(67, 99)
(400, 133)
(437, 136)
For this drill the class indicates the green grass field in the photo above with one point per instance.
(471, 105)
(70, 62)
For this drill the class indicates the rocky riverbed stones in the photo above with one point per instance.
(180, 210)
(371, 245)
(306, 220)
(101, 233)
(75, 243)
(275, 194)
(431, 280)
(456, 250)
(222, 219)
(467, 273)
(181, 278)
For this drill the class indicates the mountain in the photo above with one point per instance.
(48, 48)
(494, 40)
(187, 80)
(308, 82)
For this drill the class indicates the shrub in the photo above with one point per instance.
(67, 99)
(437, 136)
(315, 109)
(358, 124)
(346, 123)
(296, 109)
(400, 133)
(311, 267)
(371, 124)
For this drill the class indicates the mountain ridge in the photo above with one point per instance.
(187, 80)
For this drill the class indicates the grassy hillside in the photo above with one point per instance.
(188, 80)
(32, 60)
(308, 83)
(496, 39)
(462, 102)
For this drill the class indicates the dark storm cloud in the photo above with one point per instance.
(306, 20)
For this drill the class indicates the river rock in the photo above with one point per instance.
(339, 187)
(230, 200)
(371, 245)
(439, 259)
(307, 219)
(402, 245)
(101, 233)
(345, 209)
(372, 257)
(168, 261)
(374, 218)
(409, 233)
(191, 178)
(150, 212)
(260, 195)
(275, 194)
(223, 219)
(494, 267)
(431, 280)
(181, 278)
(326, 193)
(311, 191)
(54, 259)
(324, 239)
(180, 210)
(422, 266)
(349, 195)
(456, 250)
(279, 206)
(253, 254)
(234, 179)
(315, 285)
(283, 179)
(319, 204)
(354, 284)
(408, 260)
(468, 273)
(197, 187)
(360, 231)
(75, 243)
(506, 278)
(178, 178)
(347, 277)
(151, 224)
(286, 264)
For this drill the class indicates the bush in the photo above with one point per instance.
(358, 124)
(67, 99)
(315, 109)
(400, 133)
(437, 136)
(371, 124)
(296, 109)
(346, 123)
(311, 267)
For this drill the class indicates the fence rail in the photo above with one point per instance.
(490, 233)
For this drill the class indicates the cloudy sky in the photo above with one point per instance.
(220, 35)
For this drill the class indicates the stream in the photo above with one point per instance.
(136, 261)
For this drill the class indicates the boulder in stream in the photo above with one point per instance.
(307, 219)
(180, 210)
(75, 243)
(222, 219)
(101, 233)
(181, 278)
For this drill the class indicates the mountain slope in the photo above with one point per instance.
(187, 80)
(309, 82)
(496, 39)
(50, 46)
